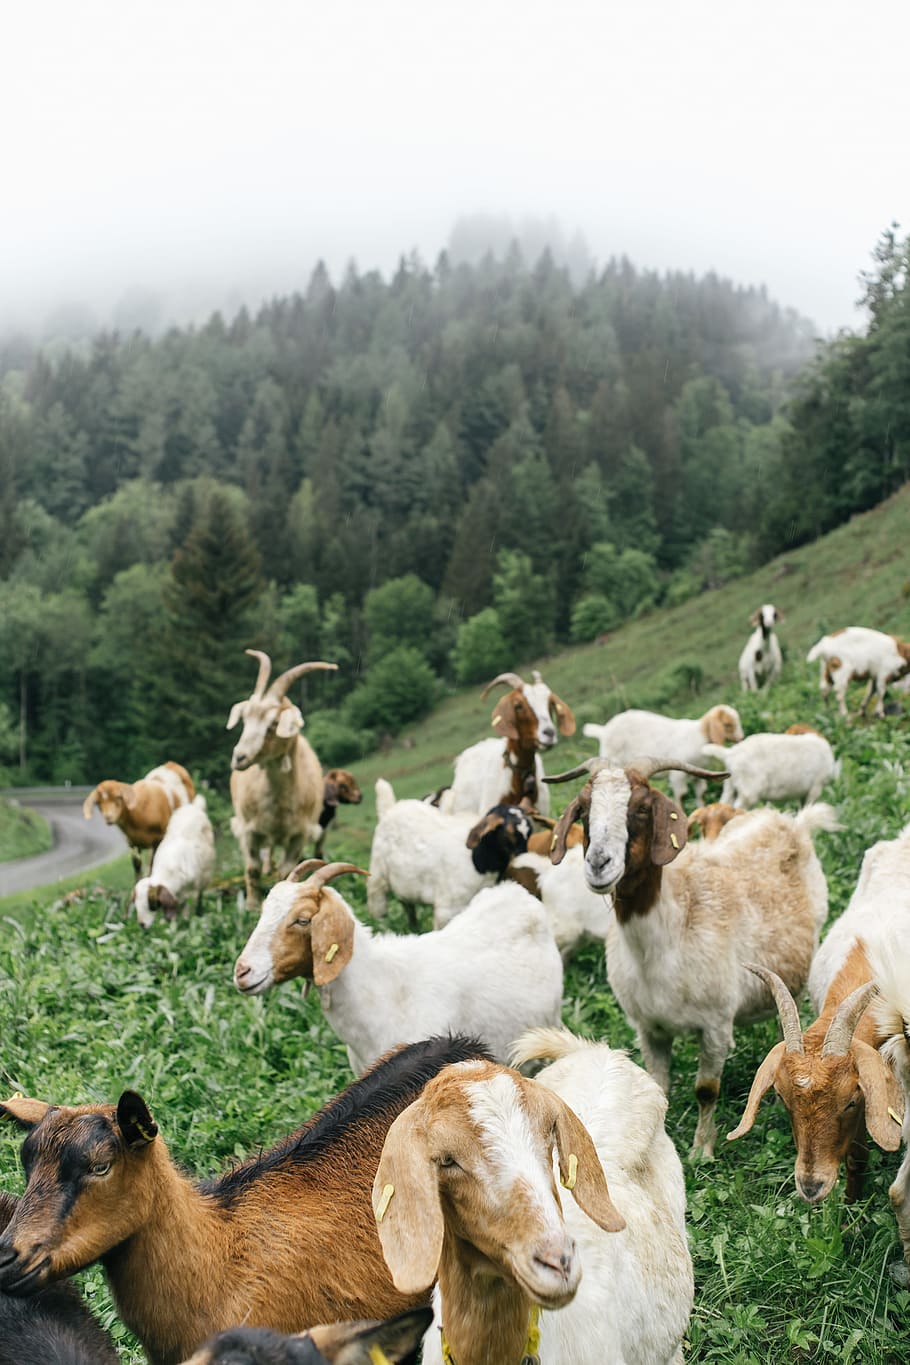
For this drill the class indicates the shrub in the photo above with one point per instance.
(592, 615)
(480, 651)
(399, 688)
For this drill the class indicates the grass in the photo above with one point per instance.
(90, 1005)
(23, 832)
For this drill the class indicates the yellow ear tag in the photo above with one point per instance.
(331, 953)
(569, 1182)
(673, 815)
(18, 1095)
(896, 1117)
(378, 1356)
(384, 1202)
(674, 841)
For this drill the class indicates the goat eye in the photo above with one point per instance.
(447, 1163)
(100, 1168)
(304, 922)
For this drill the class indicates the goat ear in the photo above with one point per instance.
(406, 1204)
(135, 1121)
(290, 722)
(882, 1092)
(560, 835)
(564, 717)
(331, 938)
(504, 721)
(88, 803)
(585, 1176)
(715, 727)
(779, 615)
(167, 900)
(349, 1343)
(764, 1078)
(24, 1113)
(669, 831)
(754, 620)
(482, 828)
(234, 717)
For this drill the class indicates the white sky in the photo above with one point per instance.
(191, 147)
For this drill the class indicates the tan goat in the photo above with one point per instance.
(142, 809)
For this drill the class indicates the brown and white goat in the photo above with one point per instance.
(343, 1343)
(340, 789)
(142, 809)
(277, 785)
(858, 653)
(686, 918)
(712, 819)
(527, 718)
(286, 1239)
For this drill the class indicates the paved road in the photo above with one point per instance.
(79, 844)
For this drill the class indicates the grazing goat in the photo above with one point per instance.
(710, 820)
(425, 857)
(182, 866)
(285, 1240)
(344, 1343)
(633, 733)
(769, 767)
(510, 768)
(466, 1192)
(761, 661)
(493, 971)
(340, 789)
(889, 958)
(687, 918)
(277, 785)
(855, 652)
(831, 1078)
(52, 1327)
(142, 809)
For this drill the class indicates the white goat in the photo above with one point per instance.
(182, 865)
(633, 733)
(491, 973)
(857, 652)
(680, 933)
(510, 768)
(277, 785)
(574, 911)
(467, 1179)
(769, 767)
(761, 661)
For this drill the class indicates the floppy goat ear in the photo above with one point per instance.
(564, 717)
(24, 1113)
(881, 1092)
(483, 828)
(584, 1176)
(135, 1121)
(573, 811)
(406, 1204)
(754, 620)
(504, 720)
(331, 937)
(87, 804)
(669, 831)
(764, 1078)
(234, 717)
(290, 723)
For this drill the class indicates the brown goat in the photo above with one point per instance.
(712, 819)
(832, 1080)
(344, 1343)
(286, 1239)
(142, 809)
(340, 789)
(517, 718)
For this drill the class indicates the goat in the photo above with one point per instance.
(710, 820)
(831, 1077)
(507, 769)
(761, 661)
(53, 1325)
(424, 856)
(286, 1239)
(182, 866)
(277, 785)
(889, 959)
(633, 733)
(768, 767)
(493, 971)
(855, 652)
(687, 918)
(466, 1191)
(574, 913)
(340, 789)
(347, 1343)
(142, 809)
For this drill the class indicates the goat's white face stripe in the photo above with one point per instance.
(608, 834)
(258, 950)
(507, 1142)
(538, 698)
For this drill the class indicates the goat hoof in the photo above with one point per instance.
(900, 1274)
(698, 1155)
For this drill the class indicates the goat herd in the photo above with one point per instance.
(444, 1164)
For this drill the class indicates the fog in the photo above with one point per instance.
(164, 159)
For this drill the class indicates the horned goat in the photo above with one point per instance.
(493, 971)
(633, 733)
(142, 809)
(761, 661)
(182, 866)
(687, 918)
(286, 1239)
(277, 785)
(831, 1078)
(344, 1343)
(856, 652)
(339, 789)
(768, 767)
(466, 1192)
(506, 769)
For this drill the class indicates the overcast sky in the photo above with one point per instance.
(205, 145)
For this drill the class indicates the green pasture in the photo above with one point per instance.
(90, 1005)
(23, 832)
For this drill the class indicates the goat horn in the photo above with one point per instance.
(508, 679)
(265, 668)
(646, 767)
(786, 1006)
(585, 769)
(281, 684)
(843, 1025)
(303, 869)
(329, 871)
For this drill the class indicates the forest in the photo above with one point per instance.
(425, 479)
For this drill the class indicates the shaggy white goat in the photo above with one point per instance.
(182, 866)
(686, 919)
(775, 768)
(491, 973)
(575, 912)
(761, 661)
(857, 652)
(633, 733)
(476, 1153)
